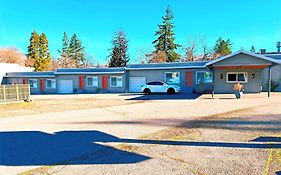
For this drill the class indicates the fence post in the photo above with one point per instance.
(28, 86)
(17, 91)
(4, 92)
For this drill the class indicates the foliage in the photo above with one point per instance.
(166, 37)
(253, 49)
(157, 57)
(222, 47)
(72, 54)
(119, 56)
(12, 55)
(274, 85)
(38, 52)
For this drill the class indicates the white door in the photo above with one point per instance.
(135, 83)
(66, 86)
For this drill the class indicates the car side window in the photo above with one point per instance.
(150, 83)
(159, 83)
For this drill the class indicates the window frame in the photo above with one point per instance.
(237, 73)
(92, 77)
(165, 77)
(51, 79)
(196, 76)
(33, 83)
(116, 81)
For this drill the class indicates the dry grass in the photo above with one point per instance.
(58, 105)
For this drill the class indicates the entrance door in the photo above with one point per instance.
(104, 82)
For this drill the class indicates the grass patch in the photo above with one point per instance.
(40, 170)
(173, 134)
(128, 148)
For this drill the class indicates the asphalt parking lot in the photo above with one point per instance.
(173, 135)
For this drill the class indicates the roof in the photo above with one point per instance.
(275, 56)
(71, 71)
(246, 53)
(172, 65)
(30, 74)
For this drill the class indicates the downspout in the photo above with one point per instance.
(269, 81)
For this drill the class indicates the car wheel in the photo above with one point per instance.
(171, 91)
(146, 91)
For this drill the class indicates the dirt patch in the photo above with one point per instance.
(58, 105)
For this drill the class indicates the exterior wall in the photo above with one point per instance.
(159, 75)
(20, 81)
(252, 86)
(87, 89)
(275, 76)
(242, 59)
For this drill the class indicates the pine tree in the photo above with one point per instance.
(76, 51)
(166, 37)
(38, 52)
(253, 49)
(222, 47)
(119, 56)
(33, 49)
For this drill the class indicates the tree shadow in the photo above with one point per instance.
(25, 148)
(163, 96)
(267, 139)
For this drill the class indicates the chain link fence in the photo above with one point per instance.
(18, 92)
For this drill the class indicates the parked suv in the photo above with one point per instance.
(159, 87)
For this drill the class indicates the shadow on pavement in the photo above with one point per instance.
(23, 148)
(163, 96)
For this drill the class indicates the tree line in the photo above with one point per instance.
(73, 55)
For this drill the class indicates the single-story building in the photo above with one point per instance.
(254, 71)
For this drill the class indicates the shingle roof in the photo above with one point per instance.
(246, 53)
(173, 65)
(30, 74)
(90, 70)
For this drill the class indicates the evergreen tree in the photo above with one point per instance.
(119, 56)
(166, 37)
(222, 47)
(76, 51)
(253, 49)
(33, 49)
(38, 52)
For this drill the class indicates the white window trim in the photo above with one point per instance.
(245, 73)
(116, 82)
(33, 80)
(165, 77)
(87, 85)
(51, 80)
(201, 72)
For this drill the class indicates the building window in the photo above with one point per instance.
(236, 77)
(33, 83)
(172, 77)
(116, 81)
(204, 77)
(51, 83)
(92, 81)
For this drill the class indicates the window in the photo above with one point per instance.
(51, 83)
(33, 83)
(116, 81)
(172, 77)
(92, 81)
(237, 77)
(156, 83)
(204, 77)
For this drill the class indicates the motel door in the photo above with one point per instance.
(104, 82)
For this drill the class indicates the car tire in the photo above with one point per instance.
(171, 91)
(146, 91)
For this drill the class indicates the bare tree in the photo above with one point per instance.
(190, 49)
(12, 55)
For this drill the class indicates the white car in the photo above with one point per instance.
(159, 87)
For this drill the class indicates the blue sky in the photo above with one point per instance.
(244, 22)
